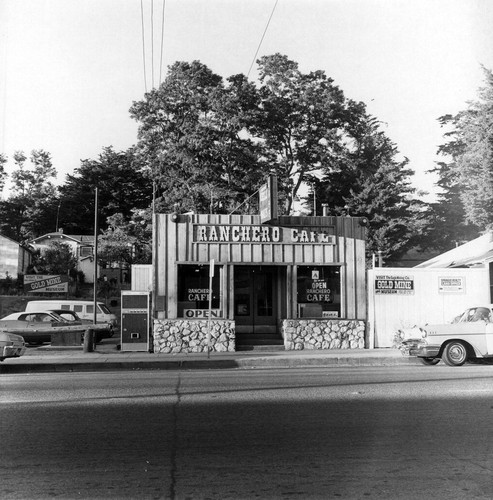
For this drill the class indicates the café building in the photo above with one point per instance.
(225, 281)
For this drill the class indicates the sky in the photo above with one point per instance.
(70, 69)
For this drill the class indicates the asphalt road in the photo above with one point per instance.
(406, 432)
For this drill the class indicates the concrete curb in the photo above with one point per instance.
(238, 360)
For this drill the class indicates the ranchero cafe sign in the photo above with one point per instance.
(211, 233)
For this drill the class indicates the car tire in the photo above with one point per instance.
(430, 361)
(455, 353)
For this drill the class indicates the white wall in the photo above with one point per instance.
(142, 277)
(426, 303)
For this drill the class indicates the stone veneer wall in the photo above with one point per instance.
(187, 335)
(302, 334)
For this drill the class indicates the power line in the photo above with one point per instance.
(143, 45)
(162, 44)
(146, 19)
(152, 43)
(262, 39)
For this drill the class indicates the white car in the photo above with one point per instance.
(469, 336)
(11, 345)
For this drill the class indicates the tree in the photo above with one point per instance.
(304, 124)
(449, 221)
(58, 258)
(29, 209)
(191, 136)
(125, 241)
(122, 186)
(3, 173)
(210, 145)
(368, 180)
(468, 175)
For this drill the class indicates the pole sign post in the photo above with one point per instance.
(211, 275)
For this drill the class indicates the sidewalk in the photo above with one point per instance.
(108, 357)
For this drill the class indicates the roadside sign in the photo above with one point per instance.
(42, 283)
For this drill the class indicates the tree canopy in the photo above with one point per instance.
(58, 258)
(127, 241)
(190, 138)
(29, 209)
(206, 144)
(466, 175)
(210, 144)
(369, 180)
(122, 187)
(465, 203)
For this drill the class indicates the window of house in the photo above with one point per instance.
(193, 291)
(319, 291)
(85, 251)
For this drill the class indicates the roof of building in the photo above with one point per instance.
(79, 238)
(10, 239)
(471, 254)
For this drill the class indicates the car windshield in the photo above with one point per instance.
(57, 317)
(476, 314)
(104, 309)
(67, 315)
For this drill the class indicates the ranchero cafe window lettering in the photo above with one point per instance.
(193, 292)
(319, 292)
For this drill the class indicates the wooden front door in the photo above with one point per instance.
(255, 299)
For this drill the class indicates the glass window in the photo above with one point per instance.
(102, 309)
(85, 251)
(68, 316)
(193, 291)
(319, 291)
(78, 309)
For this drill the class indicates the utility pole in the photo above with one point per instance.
(89, 334)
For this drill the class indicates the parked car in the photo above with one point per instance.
(105, 330)
(39, 325)
(83, 308)
(36, 317)
(468, 337)
(35, 325)
(11, 345)
(70, 316)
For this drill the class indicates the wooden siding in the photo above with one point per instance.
(176, 243)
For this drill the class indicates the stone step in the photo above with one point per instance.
(259, 342)
(259, 339)
(263, 348)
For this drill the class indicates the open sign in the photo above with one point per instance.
(202, 313)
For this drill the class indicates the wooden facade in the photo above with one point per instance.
(276, 252)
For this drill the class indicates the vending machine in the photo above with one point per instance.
(135, 324)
